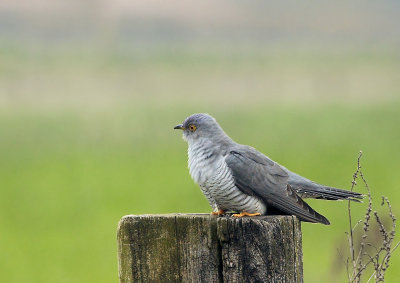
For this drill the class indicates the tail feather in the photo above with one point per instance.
(329, 193)
(309, 189)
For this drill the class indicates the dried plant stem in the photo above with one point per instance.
(367, 218)
(351, 229)
(382, 255)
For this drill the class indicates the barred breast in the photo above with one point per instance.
(211, 173)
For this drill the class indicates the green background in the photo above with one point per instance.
(86, 134)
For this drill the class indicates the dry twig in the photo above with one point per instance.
(380, 259)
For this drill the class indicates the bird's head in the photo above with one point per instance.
(201, 126)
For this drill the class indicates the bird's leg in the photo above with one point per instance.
(244, 213)
(219, 212)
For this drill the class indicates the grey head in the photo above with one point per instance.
(202, 127)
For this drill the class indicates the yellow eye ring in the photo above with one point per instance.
(192, 128)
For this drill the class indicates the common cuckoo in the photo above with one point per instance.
(238, 178)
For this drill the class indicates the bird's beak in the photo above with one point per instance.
(179, 127)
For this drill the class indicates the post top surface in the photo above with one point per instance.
(206, 216)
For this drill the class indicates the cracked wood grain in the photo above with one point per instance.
(204, 248)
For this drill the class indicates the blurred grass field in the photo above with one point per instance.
(86, 137)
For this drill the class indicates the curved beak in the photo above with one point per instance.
(179, 127)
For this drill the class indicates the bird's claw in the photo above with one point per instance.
(219, 212)
(243, 213)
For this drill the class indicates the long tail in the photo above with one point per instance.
(328, 193)
(308, 189)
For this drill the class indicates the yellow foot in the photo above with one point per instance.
(244, 213)
(219, 212)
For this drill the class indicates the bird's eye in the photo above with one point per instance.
(192, 128)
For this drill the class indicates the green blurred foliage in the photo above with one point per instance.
(86, 137)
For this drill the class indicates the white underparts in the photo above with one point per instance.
(210, 171)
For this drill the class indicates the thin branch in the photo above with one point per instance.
(395, 247)
(366, 225)
(351, 237)
(372, 275)
(382, 255)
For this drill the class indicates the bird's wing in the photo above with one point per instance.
(256, 174)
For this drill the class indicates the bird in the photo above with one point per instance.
(238, 179)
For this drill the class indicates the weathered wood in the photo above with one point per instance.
(204, 248)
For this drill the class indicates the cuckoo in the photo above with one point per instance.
(237, 178)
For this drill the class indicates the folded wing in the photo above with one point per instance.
(257, 175)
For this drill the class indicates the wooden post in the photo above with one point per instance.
(205, 248)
